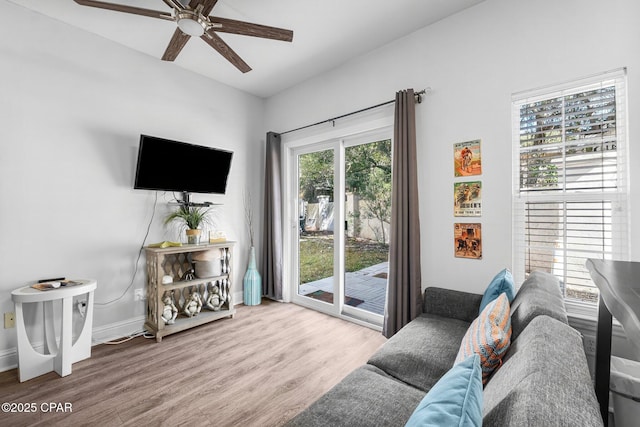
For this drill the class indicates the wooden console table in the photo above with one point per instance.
(619, 285)
(175, 262)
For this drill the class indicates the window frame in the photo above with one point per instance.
(619, 196)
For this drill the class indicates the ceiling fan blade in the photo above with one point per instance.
(127, 9)
(176, 44)
(207, 5)
(249, 29)
(218, 44)
(174, 4)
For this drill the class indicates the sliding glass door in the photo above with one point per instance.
(368, 216)
(316, 225)
(343, 210)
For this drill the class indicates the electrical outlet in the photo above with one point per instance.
(589, 344)
(9, 320)
(138, 295)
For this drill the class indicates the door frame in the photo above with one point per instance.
(376, 126)
(338, 229)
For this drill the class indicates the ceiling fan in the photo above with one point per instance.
(192, 19)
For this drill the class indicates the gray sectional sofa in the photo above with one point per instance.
(543, 381)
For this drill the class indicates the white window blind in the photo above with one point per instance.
(570, 180)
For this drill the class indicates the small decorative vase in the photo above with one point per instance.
(252, 282)
(193, 236)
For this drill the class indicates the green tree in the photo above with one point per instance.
(368, 174)
(316, 175)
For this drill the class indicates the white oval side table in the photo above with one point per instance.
(58, 356)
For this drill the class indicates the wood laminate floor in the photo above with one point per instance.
(258, 369)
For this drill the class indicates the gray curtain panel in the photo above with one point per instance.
(404, 287)
(272, 238)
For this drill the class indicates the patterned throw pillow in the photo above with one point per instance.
(489, 336)
(502, 282)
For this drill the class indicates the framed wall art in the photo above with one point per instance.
(467, 198)
(467, 160)
(467, 240)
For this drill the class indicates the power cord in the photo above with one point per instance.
(144, 334)
(135, 271)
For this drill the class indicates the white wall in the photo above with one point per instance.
(473, 62)
(72, 107)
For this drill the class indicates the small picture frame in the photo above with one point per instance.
(467, 160)
(467, 198)
(467, 240)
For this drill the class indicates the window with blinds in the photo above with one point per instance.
(570, 187)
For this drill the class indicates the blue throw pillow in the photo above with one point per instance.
(455, 400)
(503, 282)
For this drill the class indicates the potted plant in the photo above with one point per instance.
(190, 219)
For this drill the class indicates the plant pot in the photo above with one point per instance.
(193, 236)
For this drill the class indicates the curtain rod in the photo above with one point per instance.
(418, 96)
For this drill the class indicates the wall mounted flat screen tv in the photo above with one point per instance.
(168, 165)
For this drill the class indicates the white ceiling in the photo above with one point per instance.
(325, 34)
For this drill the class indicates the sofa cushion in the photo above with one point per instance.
(450, 303)
(544, 380)
(538, 295)
(502, 282)
(455, 400)
(488, 336)
(367, 396)
(422, 351)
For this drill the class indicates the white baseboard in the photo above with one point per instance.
(117, 330)
(8, 359)
(101, 334)
(238, 297)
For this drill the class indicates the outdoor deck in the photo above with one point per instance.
(368, 285)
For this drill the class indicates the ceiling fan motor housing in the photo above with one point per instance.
(191, 23)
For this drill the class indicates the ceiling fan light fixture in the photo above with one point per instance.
(191, 23)
(190, 16)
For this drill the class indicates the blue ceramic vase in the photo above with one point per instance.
(252, 282)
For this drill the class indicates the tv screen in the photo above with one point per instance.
(169, 165)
